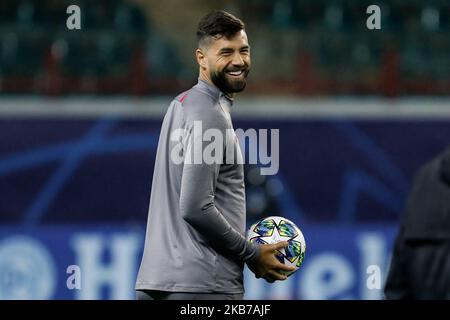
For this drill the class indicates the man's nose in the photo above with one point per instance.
(237, 60)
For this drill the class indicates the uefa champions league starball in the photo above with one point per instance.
(276, 229)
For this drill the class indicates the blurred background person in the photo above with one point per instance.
(420, 266)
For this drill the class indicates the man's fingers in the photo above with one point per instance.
(285, 267)
(279, 245)
(276, 275)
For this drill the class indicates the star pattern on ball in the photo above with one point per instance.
(276, 237)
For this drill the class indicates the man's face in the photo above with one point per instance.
(228, 62)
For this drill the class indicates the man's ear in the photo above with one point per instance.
(201, 58)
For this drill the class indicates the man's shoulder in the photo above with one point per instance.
(182, 96)
(195, 97)
(196, 105)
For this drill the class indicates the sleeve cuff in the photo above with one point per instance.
(252, 252)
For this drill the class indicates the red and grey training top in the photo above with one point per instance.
(195, 239)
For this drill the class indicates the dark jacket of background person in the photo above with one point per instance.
(420, 265)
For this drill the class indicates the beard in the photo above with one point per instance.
(226, 83)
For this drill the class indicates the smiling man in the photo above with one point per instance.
(195, 246)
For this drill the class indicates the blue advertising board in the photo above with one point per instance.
(74, 196)
(86, 262)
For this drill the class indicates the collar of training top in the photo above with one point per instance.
(213, 91)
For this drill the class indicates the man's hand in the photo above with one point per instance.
(267, 265)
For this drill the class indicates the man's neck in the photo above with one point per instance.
(207, 79)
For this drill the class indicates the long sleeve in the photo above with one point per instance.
(198, 188)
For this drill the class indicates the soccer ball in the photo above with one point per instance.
(276, 229)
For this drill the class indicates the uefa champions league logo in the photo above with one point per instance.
(26, 270)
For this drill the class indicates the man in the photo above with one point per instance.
(420, 266)
(195, 245)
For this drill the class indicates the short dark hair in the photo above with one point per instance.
(218, 23)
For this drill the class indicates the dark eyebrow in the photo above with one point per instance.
(226, 50)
